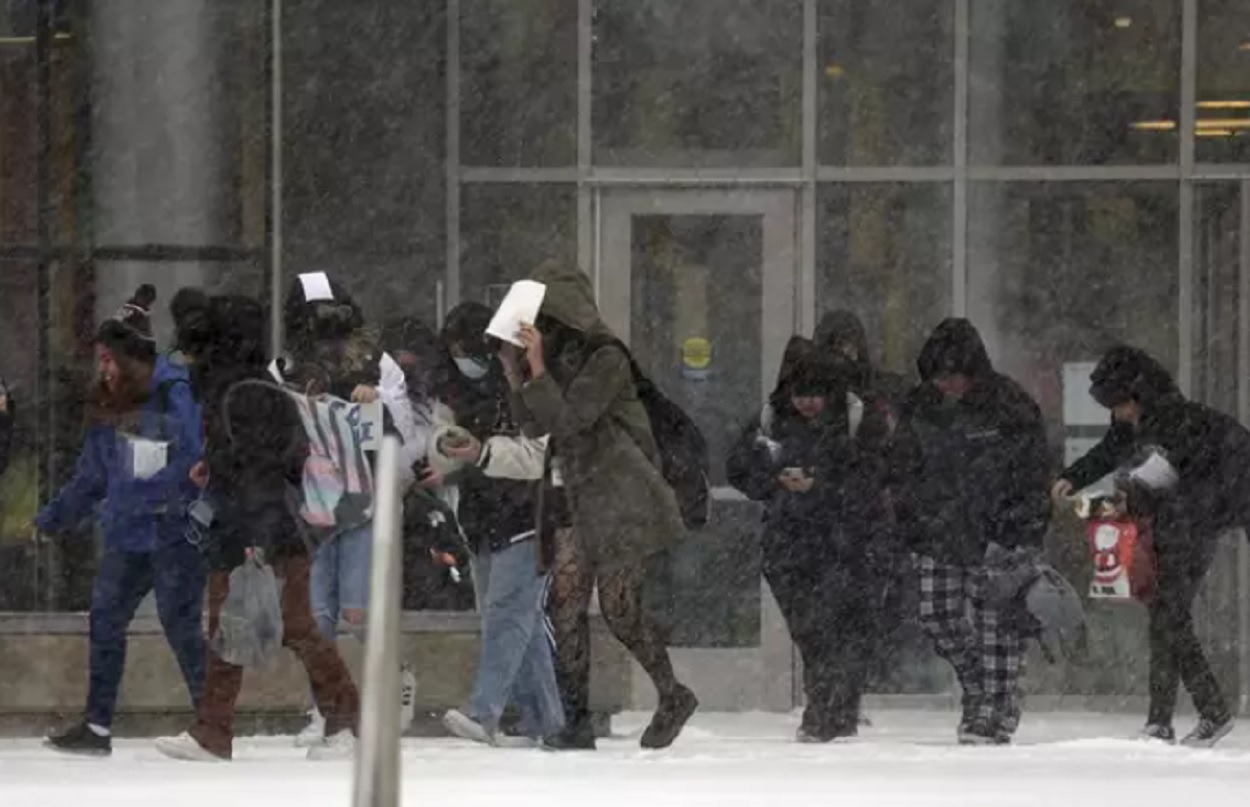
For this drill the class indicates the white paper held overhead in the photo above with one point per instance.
(316, 286)
(519, 307)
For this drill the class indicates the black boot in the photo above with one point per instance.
(579, 736)
(1208, 732)
(81, 740)
(670, 718)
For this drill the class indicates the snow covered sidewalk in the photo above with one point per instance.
(906, 758)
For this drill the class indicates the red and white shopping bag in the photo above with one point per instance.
(1124, 559)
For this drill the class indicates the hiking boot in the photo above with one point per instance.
(670, 719)
(573, 738)
(314, 733)
(81, 740)
(1208, 732)
(337, 746)
(186, 748)
(1159, 733)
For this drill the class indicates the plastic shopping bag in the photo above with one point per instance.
(250, 625)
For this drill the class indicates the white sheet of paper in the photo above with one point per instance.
(1156, 473)
(519, 306)
(316, 286)
(148, 457)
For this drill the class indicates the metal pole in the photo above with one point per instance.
(378, 758)
(1243, 410)
(275, 179)
(959, 189)
(453, 153)
(43, 396)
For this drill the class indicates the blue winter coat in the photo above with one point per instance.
(136, 515)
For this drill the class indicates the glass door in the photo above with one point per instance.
(701, 285)
(1221, 293)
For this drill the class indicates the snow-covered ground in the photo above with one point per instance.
(907, 758)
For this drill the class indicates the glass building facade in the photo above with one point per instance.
(1068, 174)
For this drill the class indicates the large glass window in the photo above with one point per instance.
(518, 82)
(698, 83)
(1060, 272)
(364, 142)
(886, 78)
(507, 231)
(885, 254)
(1074, 82)
(1223, 81)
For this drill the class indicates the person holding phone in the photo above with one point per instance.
(816, 457)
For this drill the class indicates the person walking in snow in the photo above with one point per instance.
(816, 456)
(143, 438)
(497, 514)
(255, 451)
(974, 474)
(1210, 453)
(578, 387)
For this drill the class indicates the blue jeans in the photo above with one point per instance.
(177, 575)
(340, 579)
(516, 661)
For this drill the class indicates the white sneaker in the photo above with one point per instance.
(186, 748)
(314, 733)
(337, 746)
(407, 698)
(466, 728)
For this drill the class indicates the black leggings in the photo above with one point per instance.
(573, 578)
(1176, 654)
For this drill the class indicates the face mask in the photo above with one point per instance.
(472, 368)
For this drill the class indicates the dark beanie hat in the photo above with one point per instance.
(190, 311)
(821, 376)
(1127, 373)
(129, 331)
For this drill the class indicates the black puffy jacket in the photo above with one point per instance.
(1209, 450)
(973, 470)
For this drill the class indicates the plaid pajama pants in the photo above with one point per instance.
(988, 656)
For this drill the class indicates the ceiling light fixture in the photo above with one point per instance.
(1123, 22)
(1153, 125)
(1224, 104)
(1224, 123)
(1214, 133)
(1244, 47)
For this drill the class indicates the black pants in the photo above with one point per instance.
(1176, 655)
(831, 615)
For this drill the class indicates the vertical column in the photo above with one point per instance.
(276, 283)
(1188, 119)
(585, 146)
(959, 194)
(1243, 413)
(805, 292)
(453, 153)
(161, 167)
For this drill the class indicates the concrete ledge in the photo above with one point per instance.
(43, 674)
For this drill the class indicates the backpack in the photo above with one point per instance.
(683, 449)
(337, 487)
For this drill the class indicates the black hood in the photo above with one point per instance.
(234, 345)
(466, 326)
(1127, 373)
(797, 350)
(839, 327)
(955, 348)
